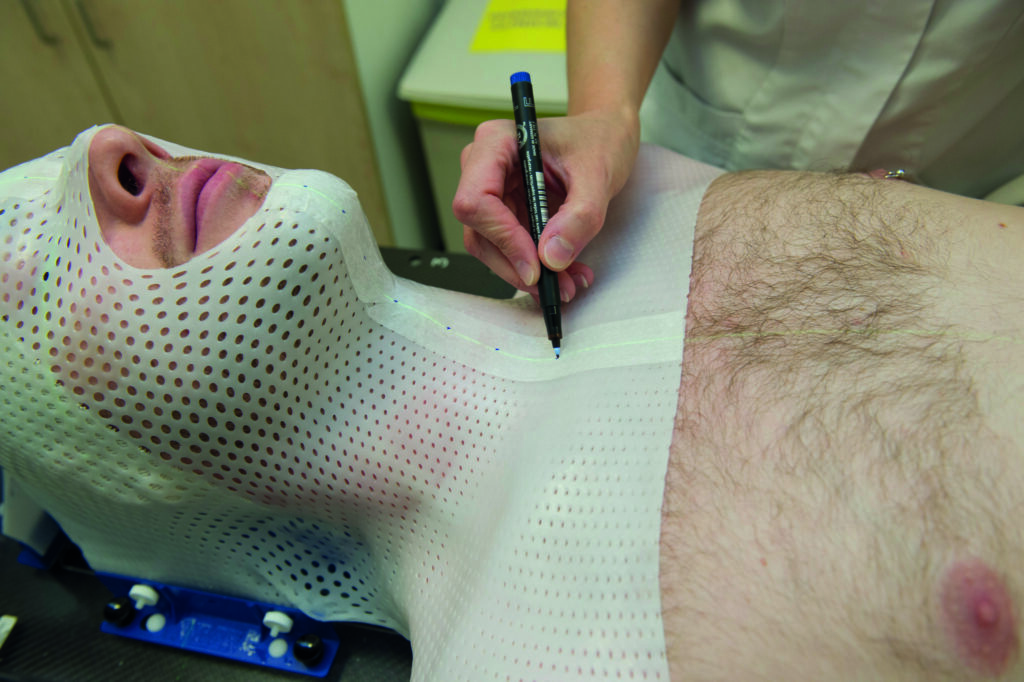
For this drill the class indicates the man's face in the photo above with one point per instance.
(193, 363)
(159, 211)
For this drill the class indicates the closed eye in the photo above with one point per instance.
(127, 178)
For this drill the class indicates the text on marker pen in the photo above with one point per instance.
(536, 198)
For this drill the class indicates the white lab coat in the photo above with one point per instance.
(932, 86)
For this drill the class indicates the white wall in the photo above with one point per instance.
(385, 34)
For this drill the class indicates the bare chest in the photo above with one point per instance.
(849, 424)
(808, 542)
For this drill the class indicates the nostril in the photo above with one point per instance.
(127, 178)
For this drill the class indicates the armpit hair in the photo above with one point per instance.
(829, 302)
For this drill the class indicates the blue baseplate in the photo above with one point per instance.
(224, 626)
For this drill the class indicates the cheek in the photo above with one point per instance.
(132, 244)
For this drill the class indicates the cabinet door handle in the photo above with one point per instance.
(90, 28)
(37, 25)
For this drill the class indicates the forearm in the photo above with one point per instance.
(612, 49)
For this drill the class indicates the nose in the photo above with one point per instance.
(122, 172)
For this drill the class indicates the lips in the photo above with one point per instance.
(192, 187)
(216, 197)
(219, 185)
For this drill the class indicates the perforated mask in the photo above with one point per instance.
(280, 418)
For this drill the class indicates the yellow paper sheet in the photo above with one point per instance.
(521, 26)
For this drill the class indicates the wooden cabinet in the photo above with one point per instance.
(269, 80)
(47, 86)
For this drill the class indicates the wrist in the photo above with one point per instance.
(618, 124)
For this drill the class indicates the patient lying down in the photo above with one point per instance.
(820, 481)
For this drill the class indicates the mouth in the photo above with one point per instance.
(217, 196)
(196, 192)
(221, 184)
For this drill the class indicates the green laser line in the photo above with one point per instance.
(314, 191)
(600, 346)
(22, 178)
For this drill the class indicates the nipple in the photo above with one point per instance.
(979, 617)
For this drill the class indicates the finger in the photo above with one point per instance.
(576, 223)
(485, 193)
(496, 224)
(582, 275)
(566, 288)
(574, 280)
(488, 254)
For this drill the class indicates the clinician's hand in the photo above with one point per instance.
(587, 159)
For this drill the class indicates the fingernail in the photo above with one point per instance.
(525, 273)
(581, 281)
(565, 296)
(558, 253)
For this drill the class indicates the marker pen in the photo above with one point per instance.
(536, 198)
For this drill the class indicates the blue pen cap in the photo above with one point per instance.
(519, 77)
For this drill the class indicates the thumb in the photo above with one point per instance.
(568, 232)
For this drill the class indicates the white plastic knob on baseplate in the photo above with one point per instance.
(278, 622)
(143, 596)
